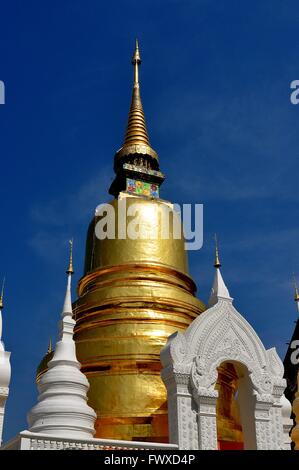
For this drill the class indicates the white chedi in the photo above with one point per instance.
(62, 408)
(5, 372)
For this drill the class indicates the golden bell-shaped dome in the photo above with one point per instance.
(134, 294)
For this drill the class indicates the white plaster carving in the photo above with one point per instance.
(221, 334)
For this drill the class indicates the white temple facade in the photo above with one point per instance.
(225, 390)
(62, 419)
(221, 336)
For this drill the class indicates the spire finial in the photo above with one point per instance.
(296, 297)
(136, 130)
(2, 294)
(136, 139)
(70, 269)
(217, 263)
(219, 289)
(136, 61)
(50, 346)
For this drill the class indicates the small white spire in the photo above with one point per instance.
(219, 289)
(62, 408)
(5, 371)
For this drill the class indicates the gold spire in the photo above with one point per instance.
(2, 293)
(296, 298)
(217, 263)
(136, 129)
(49, 346)
(136, 138)
(136, 61)
(70, 269)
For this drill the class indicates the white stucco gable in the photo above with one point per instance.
(190, 360)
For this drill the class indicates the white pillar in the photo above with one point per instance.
(263, 424)
(207, 420)
(182, 412)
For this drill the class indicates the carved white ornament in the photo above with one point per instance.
(190, 361)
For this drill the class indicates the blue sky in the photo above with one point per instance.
(215, 87)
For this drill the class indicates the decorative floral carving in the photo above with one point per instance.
(220, 335)
(275, 364)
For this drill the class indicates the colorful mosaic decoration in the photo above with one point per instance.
(142, 188)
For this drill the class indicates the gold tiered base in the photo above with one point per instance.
(124, 314)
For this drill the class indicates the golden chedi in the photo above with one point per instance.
(135, 292)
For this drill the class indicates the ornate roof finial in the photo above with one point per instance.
(296, 296)
(70, 269)
(219, 289)
(49, 347)
(217, 263)
(136, 130)
(136, 139)
(136, 61)
(2, 294)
